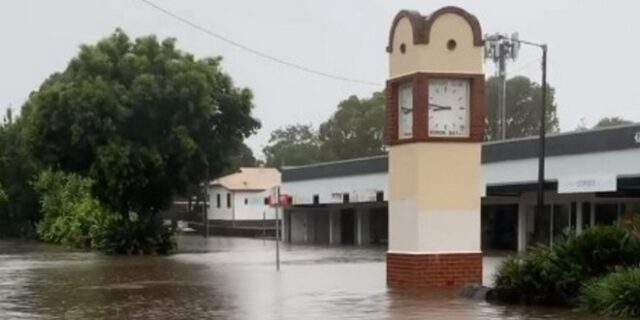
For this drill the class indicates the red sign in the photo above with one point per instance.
(284, 201)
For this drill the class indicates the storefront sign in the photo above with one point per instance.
(588, 183)
(336, 196)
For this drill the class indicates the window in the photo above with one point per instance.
(228, 200)
(218, 200)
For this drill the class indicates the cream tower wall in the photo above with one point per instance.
(434, 191)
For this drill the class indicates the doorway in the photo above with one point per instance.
(348, 226)
(379, 226)
(500, 227)
(538, 225)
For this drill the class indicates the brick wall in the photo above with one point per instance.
(433, 270)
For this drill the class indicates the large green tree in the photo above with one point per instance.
(611, 121)
(293, 145)
(356, 129)
(18, 168)
(522, 108)
(141, 118)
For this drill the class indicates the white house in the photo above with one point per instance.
(240, 196)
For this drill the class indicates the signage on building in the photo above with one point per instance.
(588, 183)
(368, 195)
(336, 196)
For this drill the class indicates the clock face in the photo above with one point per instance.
(449, 108)
(405, 112)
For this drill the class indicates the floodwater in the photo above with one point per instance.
(226, 278)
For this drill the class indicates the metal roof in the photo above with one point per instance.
(559, 144)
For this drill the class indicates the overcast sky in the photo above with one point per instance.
(593, 47)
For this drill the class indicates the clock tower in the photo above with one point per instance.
(435, 128)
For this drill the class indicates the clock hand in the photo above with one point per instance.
(439, 108)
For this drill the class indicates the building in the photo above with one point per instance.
(238, 198)
(592, 177)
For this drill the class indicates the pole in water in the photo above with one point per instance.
(278, 228)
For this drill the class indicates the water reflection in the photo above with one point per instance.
(225, 278)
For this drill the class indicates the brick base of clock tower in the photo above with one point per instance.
(446, 270)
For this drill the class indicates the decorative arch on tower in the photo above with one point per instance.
(421, 25)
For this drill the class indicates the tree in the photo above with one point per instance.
(242, 156)
(18, 169)
(3, 195)
(356, 129)
(582, 125)
(293, 145)
(140, 118)
(611, 121)
(522, 108)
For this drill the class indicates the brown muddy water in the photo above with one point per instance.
(227, 278)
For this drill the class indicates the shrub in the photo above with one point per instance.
(555, 275)
(617, 294)
(631, 223)
(523, 279)
(592, 254)
(71, 215)
(140, 237)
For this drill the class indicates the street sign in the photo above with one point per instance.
(277, 199)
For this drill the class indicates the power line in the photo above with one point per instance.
(254, 51)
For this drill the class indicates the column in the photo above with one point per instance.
(362, 226)
(578, 217)
(522, 228)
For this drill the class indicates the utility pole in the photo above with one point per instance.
(205, 197)
(278, 228)
(500, 49)
(543, 111)
(543, 130)
(502, 96)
